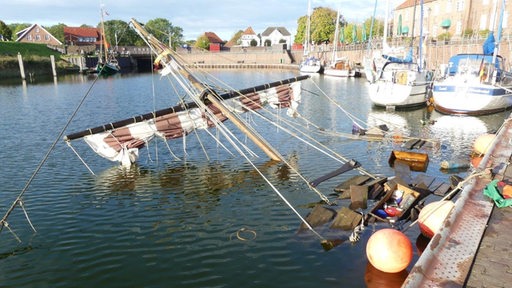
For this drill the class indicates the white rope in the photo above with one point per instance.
(79, 157)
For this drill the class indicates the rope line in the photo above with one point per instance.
(45, 158)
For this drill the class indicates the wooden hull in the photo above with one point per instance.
(416, 161)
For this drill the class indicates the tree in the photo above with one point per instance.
(17, 27)
(378, 27)
(5, 31)
(57, 31)
(323, 25)
(120, 31)
(203, 42)
(164, 31)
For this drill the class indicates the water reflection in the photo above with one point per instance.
(373, 277)
(199, 177)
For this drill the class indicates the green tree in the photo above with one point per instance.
(120, 31)
(164, 31)
(17, 27)
(203, 42)
(57, 31)
(378, 27)
(5, 31)
(323, 25)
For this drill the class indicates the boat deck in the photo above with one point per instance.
(474, 248)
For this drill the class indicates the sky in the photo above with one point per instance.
(224, 17)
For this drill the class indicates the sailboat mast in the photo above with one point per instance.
(308, 29)
(385, 37)
(166, 53)
(336, 36)
(103, 38)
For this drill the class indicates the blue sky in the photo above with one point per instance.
(224, 17)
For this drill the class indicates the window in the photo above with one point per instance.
(47, 37)
(38, 37)
(29, 37)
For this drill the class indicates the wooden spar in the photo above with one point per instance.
(176, 109)
(160, 48)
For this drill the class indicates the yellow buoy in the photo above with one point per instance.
(389, 250)
(432, 216)
(483, 143)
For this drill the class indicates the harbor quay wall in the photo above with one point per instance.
(139, 59)
(435, 55)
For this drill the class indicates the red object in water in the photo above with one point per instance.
(392, 211)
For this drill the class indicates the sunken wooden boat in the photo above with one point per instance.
(415, 160)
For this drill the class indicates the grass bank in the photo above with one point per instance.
(36, 59)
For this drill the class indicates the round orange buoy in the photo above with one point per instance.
(389, 250)
(483, 142)
(432, 216)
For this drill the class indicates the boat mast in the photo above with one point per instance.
(336, 36)
(102, 36)
(166, 53)
(308, 30)
(385, 37)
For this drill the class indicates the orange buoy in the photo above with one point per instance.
(432, 216)
(389, 250)
(483, 142)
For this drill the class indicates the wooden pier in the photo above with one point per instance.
(473, 248)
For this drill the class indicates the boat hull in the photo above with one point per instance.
(467, 98)
(389, 92)
(107, 69)
(311, 69)
(339, 72)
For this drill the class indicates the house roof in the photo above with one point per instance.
(249, 31)
(281, 30)
(25, 31)
(82, 31)
(213, 38)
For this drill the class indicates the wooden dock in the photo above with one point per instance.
(473, 248)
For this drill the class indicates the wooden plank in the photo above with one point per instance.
(423, 178)
(318, 216)
(418, 144)
(346, 219)
(442, 190)
(356, 180)
(434, 185)
(410, 143)
(358, 196)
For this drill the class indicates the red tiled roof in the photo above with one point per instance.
(82, 31)
(213, 38)
(249, 31)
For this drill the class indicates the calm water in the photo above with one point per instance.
(173, 223)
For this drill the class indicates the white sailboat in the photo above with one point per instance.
(402, 82)
(310, 63)
(339, 66)
(475, 83)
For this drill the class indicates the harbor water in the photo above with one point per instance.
(199, 216)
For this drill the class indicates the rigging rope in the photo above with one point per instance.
(43, 161)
